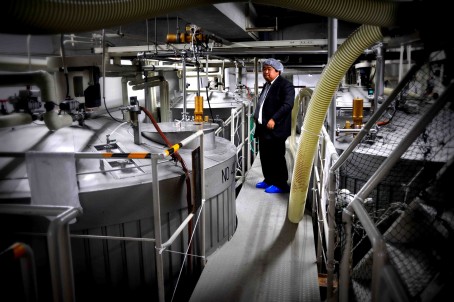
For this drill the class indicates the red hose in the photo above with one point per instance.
(186, 171)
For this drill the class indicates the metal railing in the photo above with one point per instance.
(22, 252)
(59, 246)
(325, 186)
(238, 121)
(58, 232)
(326, 189)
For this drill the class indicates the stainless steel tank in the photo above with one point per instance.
(116, 198)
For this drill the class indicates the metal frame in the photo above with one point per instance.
(59, 245)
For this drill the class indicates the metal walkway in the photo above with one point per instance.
(267, 259)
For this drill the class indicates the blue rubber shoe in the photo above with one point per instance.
(262, 185)
(274, 189)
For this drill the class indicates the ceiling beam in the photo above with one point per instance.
(242, 14)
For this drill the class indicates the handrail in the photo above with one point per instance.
(337, 161)
(342, 159)
(59, 245)
(235, 113)
(157, 210)
(176, 233)
(22, 252)
(239, 113)
(323, 182)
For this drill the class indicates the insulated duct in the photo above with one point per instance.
(364, 37)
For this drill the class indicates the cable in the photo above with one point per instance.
(124, 123)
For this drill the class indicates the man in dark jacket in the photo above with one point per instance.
(273, 120)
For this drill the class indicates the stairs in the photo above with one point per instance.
(419, 243)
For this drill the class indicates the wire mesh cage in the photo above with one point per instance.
(409, 206)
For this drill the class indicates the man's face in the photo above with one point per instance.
(269, 73)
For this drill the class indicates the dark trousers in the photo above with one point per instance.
(272, 157)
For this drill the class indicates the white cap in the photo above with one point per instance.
(274, 63)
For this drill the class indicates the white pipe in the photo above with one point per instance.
(177, 232)
(401, 63)
(409, 56)
(40, 78)
(8, 63)
(15, 119)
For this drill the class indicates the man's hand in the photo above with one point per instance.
(270, 124)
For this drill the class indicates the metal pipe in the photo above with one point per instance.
(409, 56)
(60, 258)
(40, 78)
(332, 47)
(184, 114)
(249, 140)
(379, 76)
(59, 248)
(157, 229)
(232, 125)
(330, 265)
(183, 143)
(132, 155)
(344, 271)
(202, 209)
(243, 150)
(176, 233)
(166, 115)
(22, 252)
(401, 62)
(112, 238)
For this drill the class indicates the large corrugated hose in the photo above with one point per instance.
(73, 16)
(364, 37)
(302, 95)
